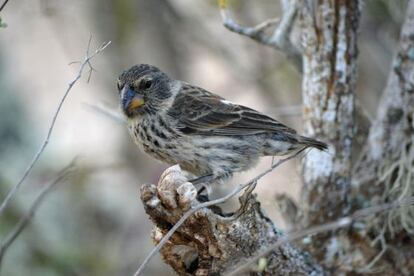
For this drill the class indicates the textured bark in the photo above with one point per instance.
(391, 135)
(329, 31)
(385, 171)
(209, 243)
(329, 37)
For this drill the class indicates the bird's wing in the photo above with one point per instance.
(198, 111)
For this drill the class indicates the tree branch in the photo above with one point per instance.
(83, 64)
(24, 221)
(3, 5)
(280, 39)
(208, 242)
(318, 229)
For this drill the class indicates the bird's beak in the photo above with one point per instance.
(136, 101)
(131, 100)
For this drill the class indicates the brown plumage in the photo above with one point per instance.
(179, 123)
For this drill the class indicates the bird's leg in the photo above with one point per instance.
(204, 184)
(244, 199)
(203, 179)
(201, 183)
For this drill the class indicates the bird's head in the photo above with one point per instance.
(143, 89)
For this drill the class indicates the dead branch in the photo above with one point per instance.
(359, 215)
(3, 5)
(83, 64)
(24, 221)
(172, 205)
(280, 39)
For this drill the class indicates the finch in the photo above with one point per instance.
(208, 136)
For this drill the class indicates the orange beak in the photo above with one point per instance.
(131, 100)
(136, 101)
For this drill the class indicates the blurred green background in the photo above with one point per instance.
(94, 224)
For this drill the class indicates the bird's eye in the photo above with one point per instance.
(145, 84)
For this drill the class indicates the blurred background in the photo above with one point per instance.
(94, 224)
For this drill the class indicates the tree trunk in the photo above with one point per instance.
(329, 38)
(385, 171)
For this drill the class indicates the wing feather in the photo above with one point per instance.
(198, 111)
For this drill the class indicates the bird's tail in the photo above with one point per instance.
(309, 142)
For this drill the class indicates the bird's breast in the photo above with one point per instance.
(156, 137)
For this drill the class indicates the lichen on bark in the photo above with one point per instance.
(208, 243)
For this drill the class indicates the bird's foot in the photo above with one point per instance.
(203, 185)
(203, 179)
(244, 202)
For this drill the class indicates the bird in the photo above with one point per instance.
(206, 135)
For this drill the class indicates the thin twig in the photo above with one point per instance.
(3, 5)
(24, 221)
(16, 187)
(340, 223)
(190, 212)
(91, 68)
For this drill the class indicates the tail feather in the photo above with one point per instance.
(313, 143)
